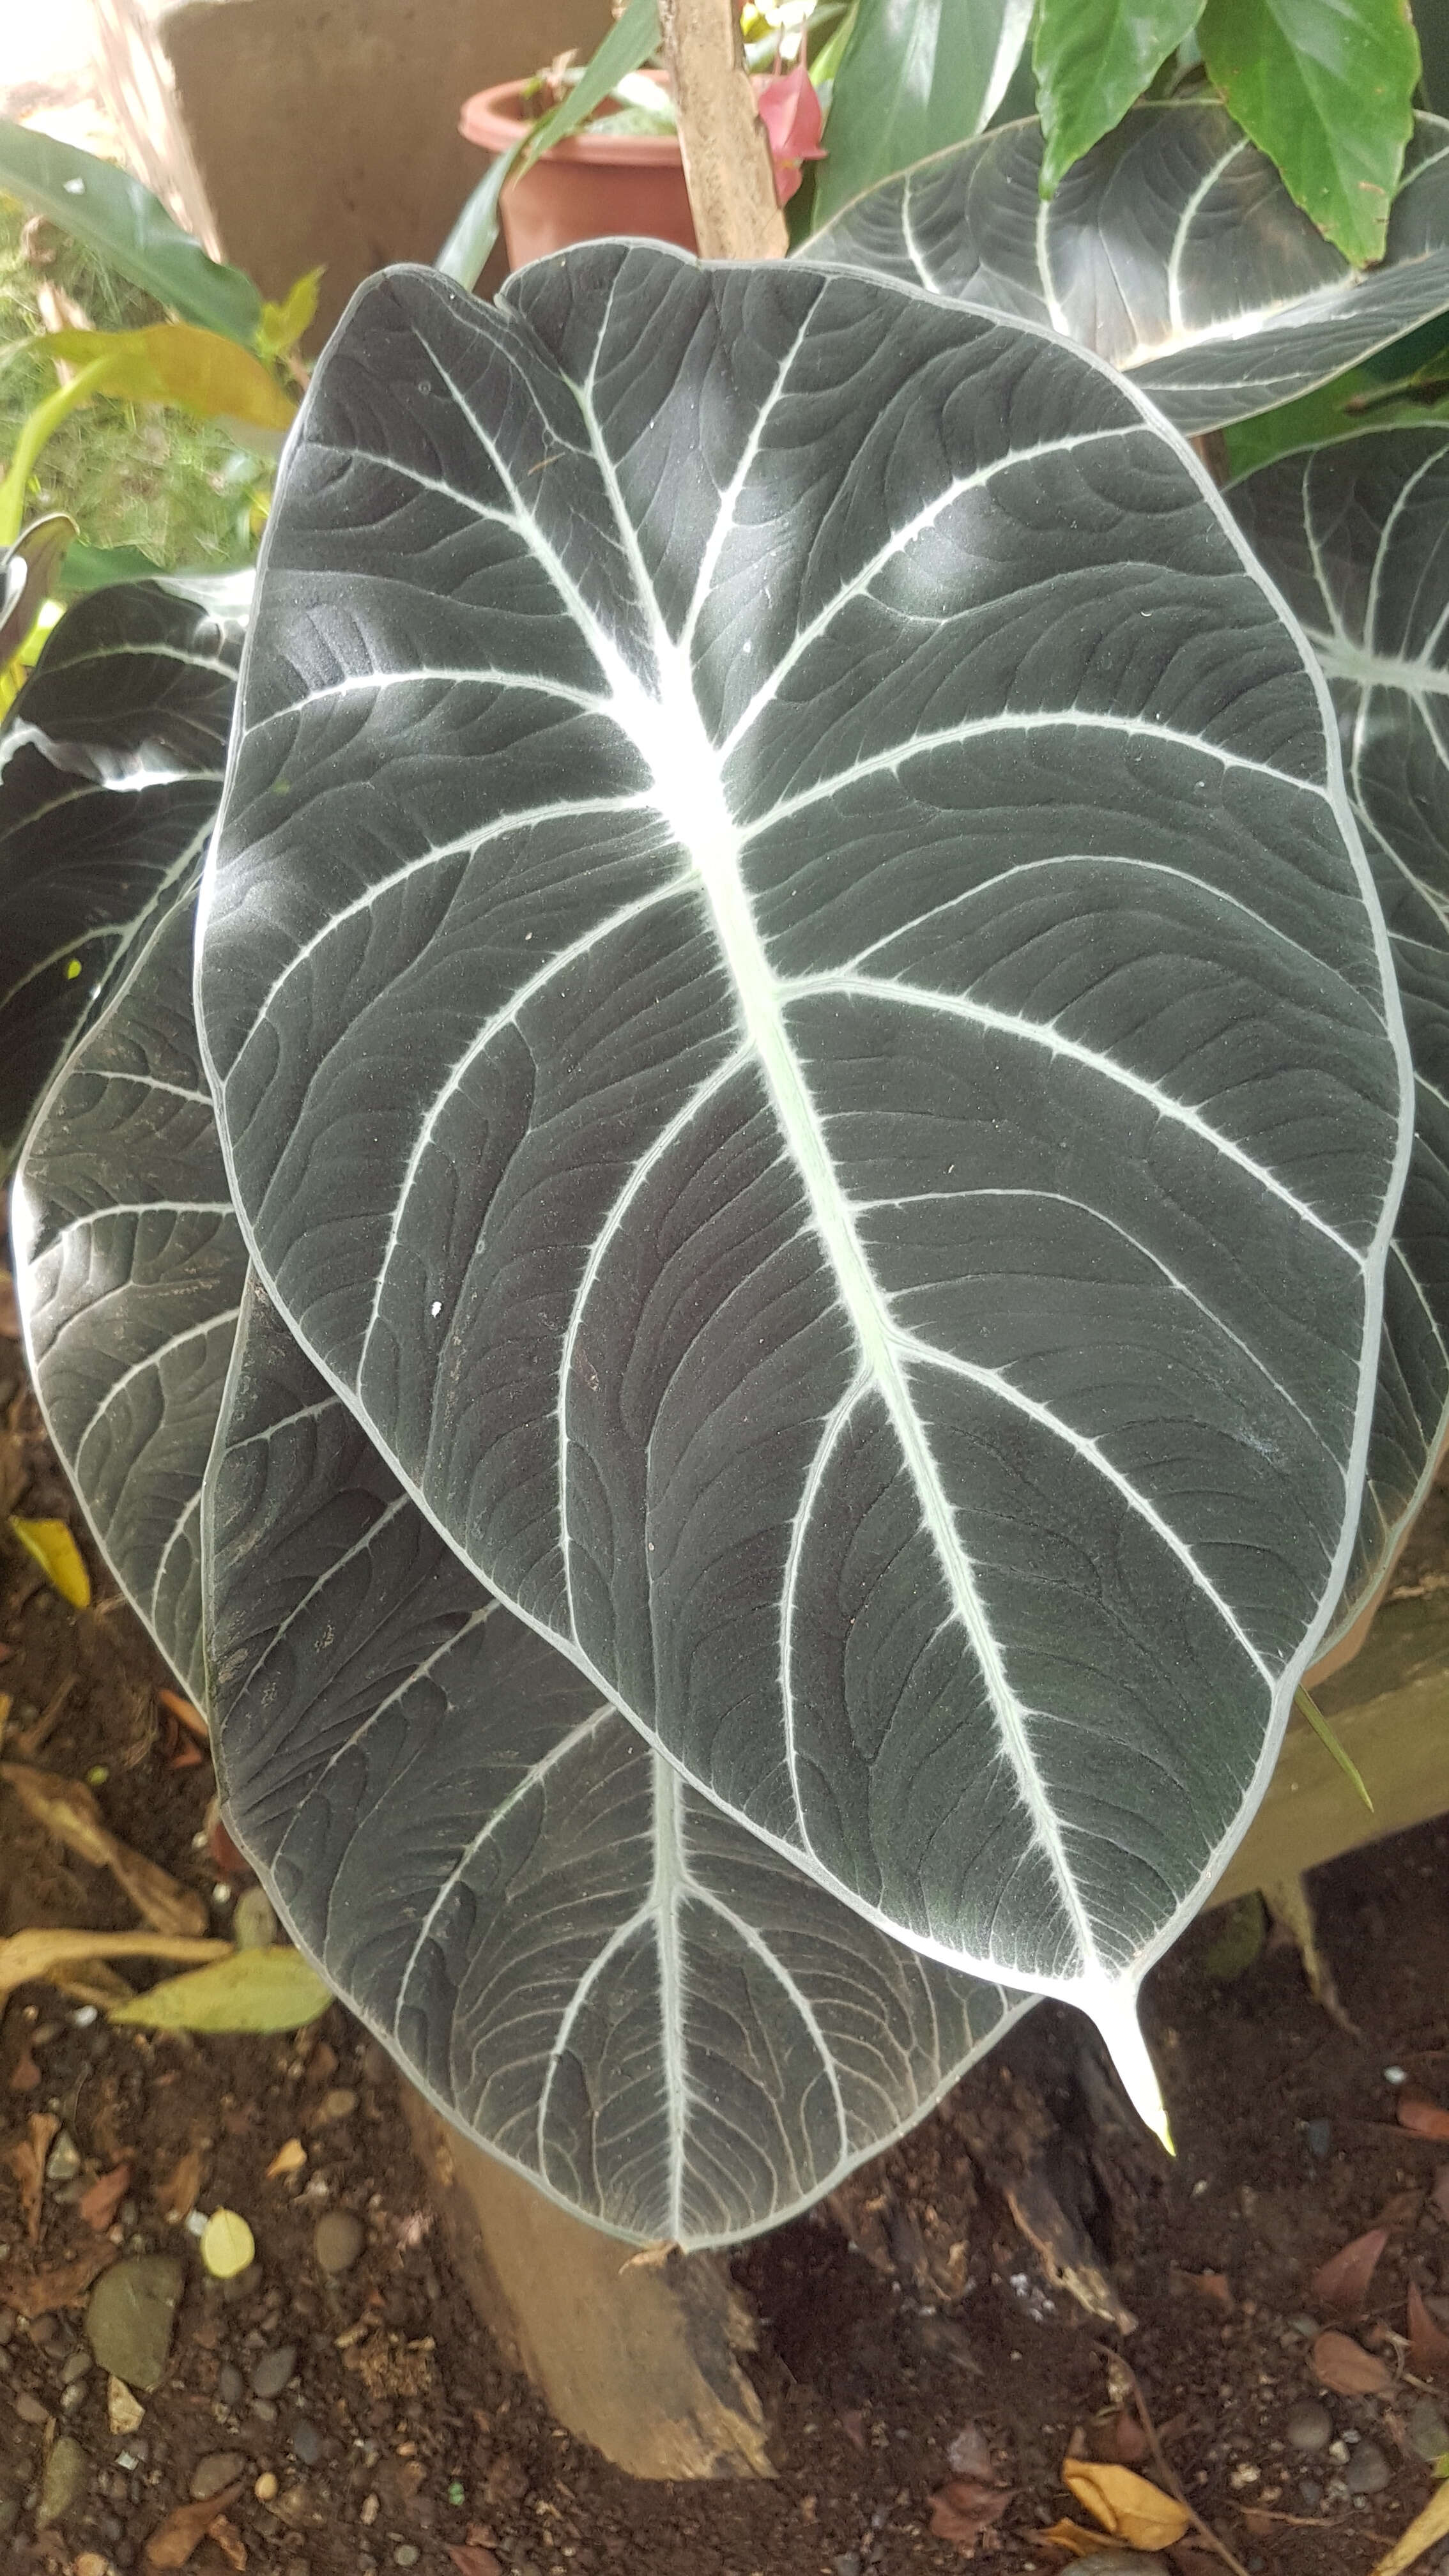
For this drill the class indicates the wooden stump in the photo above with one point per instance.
(638, 2355)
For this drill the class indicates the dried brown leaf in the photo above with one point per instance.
(1428, 2343)
(178, 2193)
(173, 2541)
(288, 2159)
(37, 1954)
(229, 2541)
(67, 1809)
(64, 2285)
(1343, 2365)
(964, 2508)
(1343, 2281)
(26, 2160)
(99, 2205)
(1129, 2507)
(1421, 2117)
(1128, 2439)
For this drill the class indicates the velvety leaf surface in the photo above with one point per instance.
(581, 1959)
(1172, 248)
(585, 1963)
(1357, 537)
(129, 1270)
(111, 762)
(801, 1028)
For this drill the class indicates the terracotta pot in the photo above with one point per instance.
(589, 185)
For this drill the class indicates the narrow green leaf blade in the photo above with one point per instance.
(916, 76)
(120, 220)
(629, 43)
(257, 1990)
(1092, 59)
(1329, 1740)
(1325, 88)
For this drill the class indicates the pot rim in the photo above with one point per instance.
(493, 118)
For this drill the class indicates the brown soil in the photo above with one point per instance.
(873, 2355)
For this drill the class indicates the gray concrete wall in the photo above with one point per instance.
(327, 130)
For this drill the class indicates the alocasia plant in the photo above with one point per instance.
(809, 1064)
(724, 760)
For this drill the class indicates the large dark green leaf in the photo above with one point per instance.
(1326, 89)
(1093, 59)
(801, 1027)
(1357, 538)
(111, 762)
(916, 74)
(124, 225)
(1173, 249)
(600, 1975)
(130, 1267)
(587, 1964)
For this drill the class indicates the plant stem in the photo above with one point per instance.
(35, 429)
(727, 165)
(1160, 2462)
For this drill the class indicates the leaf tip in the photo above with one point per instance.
(1115, 2014)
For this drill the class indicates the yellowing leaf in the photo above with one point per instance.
(178, 362)
(1427, 2527)
(58, 1557)
(282, 325)
(260, 1990)
(1129, 2507)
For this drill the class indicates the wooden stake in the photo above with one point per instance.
(727, 163)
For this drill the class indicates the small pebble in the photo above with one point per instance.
(219, 2469)
(1309, 2426)
(848, 2563)
(230, 2385)
(405, 2555)
(75, 2366)
(1311, 2492)
(337, 2242)
(265, 2488)
(1308, 2327)
(63, 2162)
(307, 2443)
(64, 2482)
(339, 2104)
(271, 2374)
(1318, 2135)
(1428, 2432)
(1368, 2470)
(253, 1926)
(1127, 2562)
(29, 2409)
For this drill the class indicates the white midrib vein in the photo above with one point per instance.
(684, 763)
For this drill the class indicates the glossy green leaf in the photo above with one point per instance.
(628, 44)
(1325, 88)
(120, 220)
(1093, 59)
(257, 1990)
(916, 75)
